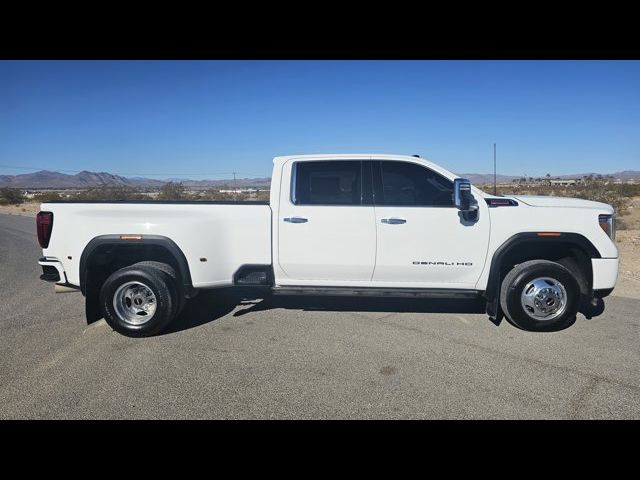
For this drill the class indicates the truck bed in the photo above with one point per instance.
(217, 238)
(169, 202)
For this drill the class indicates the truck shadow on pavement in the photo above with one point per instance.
(209, 306)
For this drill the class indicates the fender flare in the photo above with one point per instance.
(115, 240)
(575, 239)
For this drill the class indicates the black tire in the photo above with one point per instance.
(571, 264)
(517, 279)
(152, 278)
(590, 307)
(175, 283)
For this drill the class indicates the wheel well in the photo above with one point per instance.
(106, 259)
(565, 253)
(572, 250)
(574, 255)
(104, 255)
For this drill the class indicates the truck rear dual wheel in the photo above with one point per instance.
(170, 271)
(540, 296)
(139, 300)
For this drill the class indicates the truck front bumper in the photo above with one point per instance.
(605, 273)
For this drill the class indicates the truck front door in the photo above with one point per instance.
(421, 236)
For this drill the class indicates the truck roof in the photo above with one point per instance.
(338, 156)
(366, 156)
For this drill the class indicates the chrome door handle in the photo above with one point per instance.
(296, 220)
(394, 221)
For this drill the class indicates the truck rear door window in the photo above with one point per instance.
(327, 183)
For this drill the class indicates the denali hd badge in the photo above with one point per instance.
(451, 264)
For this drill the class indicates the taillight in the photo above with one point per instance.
(44, 224)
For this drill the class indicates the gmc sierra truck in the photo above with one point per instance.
(364, 225)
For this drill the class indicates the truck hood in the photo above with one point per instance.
(544, 201)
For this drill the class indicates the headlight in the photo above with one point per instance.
(607, 224)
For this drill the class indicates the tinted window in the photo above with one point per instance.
(328, 183)
(410, 184)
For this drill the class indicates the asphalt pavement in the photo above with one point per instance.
(228, 356)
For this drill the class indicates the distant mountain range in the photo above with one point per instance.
(85, 179)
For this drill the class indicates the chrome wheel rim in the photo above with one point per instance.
(544, 298)
(134, 303)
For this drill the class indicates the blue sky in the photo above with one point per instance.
(205, 119)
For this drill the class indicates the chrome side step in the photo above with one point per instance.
(377, 292)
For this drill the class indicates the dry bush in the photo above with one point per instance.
(11, 196)
(173, 191)
(44, 197)
(213, 194)
(263, 196)
(108, 194)
(589, 188)
(621, 224)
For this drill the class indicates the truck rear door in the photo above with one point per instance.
(326, 221)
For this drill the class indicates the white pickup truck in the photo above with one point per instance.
(366, 225)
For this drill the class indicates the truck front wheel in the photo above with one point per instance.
(540, 295)
(137, 301)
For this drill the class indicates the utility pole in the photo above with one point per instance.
(495, 188)
(235, 186)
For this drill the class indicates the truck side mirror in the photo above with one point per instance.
(464, 200)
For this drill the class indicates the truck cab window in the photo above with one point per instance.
(412, 185)
(327, 183)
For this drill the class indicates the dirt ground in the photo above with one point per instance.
(28, 208)
(628, 242)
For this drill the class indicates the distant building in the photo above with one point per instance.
(244, 190)
(564, 183)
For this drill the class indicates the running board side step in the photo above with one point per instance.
(377, 292)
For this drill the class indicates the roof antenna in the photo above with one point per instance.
(495, 190)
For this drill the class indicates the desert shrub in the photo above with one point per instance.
(590, 188)
(213, 194)
(44, 197)
(108, 194)
(628, 189)
(621, 224)
(263, 196)
(618, 202)
(173, 191)
(11, 196)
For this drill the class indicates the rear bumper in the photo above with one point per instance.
(52, 270)
(605, 273)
